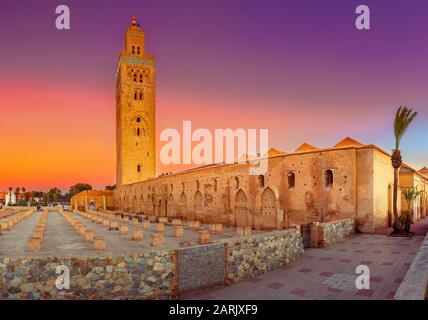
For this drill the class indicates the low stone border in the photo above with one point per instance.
(149, 276)
(332, 232)
(415, 283)
(251, 256)
(154, 275)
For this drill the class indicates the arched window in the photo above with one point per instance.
(133, 49)
(135, 96)
(261, 181)
(141, 96)
(141, 78)
(328, 178)
(138, 120)
(138, 131)
(135, 77)
(138, 168)
(291, 179)
(138, 50)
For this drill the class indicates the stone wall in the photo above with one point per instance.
(152, 275)
(415, 283)
(201, 266)
(236, 198)
(254, 255)
(148, 276)
(332, 232)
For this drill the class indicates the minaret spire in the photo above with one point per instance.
(134, 20)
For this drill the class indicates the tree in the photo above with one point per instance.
(39, 195)
(403, 118)
(112, 187)
(410, 194)
(79, 188)
(54, 195)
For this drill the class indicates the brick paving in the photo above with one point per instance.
(330, 273)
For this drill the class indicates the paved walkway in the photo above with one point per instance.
(16, 241)
(61, 240)
(330, 273)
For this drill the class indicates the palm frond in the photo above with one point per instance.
(403, 118)
(411, 194)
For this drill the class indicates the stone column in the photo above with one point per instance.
(104, 203)
(86, 203)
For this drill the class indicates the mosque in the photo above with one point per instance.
(310, 184)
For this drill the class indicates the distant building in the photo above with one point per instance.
(10, 198)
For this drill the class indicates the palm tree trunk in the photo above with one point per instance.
(397, 222)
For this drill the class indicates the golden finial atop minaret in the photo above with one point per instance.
(134, 20)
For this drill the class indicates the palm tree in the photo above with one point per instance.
(410, 194)
(403, 118)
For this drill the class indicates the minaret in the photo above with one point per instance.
(135, 110)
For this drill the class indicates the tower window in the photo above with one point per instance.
(138, 131)
(138, 50)
(291, 177)
(135, 77)
(135, 96)
(138, 119)
(141, 96)
(261, 181)
(133, 49)
(139, 168)
(328, 178)
(141, 78)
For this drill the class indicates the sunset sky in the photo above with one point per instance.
(298, 68)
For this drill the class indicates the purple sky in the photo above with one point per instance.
(299, 67)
